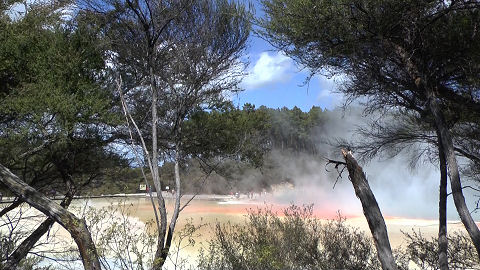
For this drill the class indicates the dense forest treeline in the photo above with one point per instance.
(267, 136)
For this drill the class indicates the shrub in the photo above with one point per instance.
(424, 252)
(295, 241)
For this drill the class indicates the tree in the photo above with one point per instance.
(408, 56)
(173, 57)
(228, 132)
(56, 117)
(409, 133)
(75, 226)
(372, 212)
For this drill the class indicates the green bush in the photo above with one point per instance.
(423, 252)
(297, 240)
(294, 240)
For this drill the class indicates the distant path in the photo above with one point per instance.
(167, 195)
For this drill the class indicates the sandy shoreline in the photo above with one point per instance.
(209, 209)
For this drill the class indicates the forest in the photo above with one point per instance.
(267, 134)
(99, 97)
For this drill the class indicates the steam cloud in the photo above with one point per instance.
(400, 190)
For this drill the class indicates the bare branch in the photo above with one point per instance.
(128, 117)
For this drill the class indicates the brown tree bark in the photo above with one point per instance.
(453, 171)
(75, 226)
(372, 212)
(442, 209)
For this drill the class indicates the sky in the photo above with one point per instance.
(274, 80)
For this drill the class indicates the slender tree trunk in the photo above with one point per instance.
(75, 226)
(372, 212)
(158, 260)
(176, 210)
(12, 206)
(22, 250)
(453, 172)
(442, 209)
(145, 153)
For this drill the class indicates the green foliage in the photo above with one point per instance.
(293, 240)
(296, 131)
(116, 180)
(56, 118)
(250, 132)
(243, 146)
(423, 252)
(341, 34)
(229, 132)
(253, 135)
(49, 68)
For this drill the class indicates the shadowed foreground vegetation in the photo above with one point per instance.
(295, 239)
(290, 239)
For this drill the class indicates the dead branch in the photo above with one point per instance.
(337, 168)
(371, 210)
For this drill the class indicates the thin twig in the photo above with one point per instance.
(465, 187)
(337, 168)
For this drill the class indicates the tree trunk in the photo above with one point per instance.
(16, 203)
(176, 210)
(75, 226)
(22, 250)
(442, 209)
(158, 260)
(447, 144)
(453, 172)
(372, 212)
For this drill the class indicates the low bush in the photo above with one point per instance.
(293, 240)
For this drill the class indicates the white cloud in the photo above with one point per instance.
(269, 69)
(18, 10)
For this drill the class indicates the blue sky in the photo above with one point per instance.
(274, 80)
